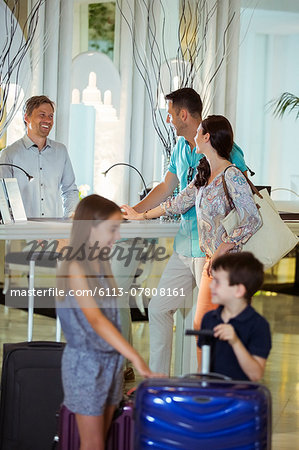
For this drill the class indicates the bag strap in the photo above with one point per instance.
(228, 197)
(252, 186)
(254, 190)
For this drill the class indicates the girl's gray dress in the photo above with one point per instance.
(92, 370)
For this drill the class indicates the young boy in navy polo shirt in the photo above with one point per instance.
(243, 336)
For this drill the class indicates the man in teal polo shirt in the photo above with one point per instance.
(185, 265)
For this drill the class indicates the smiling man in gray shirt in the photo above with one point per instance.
(52, 192)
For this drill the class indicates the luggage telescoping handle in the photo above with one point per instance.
(49, 344)
(206, 339)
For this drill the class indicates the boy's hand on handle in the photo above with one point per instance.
(130, 213)
(226, 332)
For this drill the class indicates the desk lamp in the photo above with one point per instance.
(30, 177)
(145, 190)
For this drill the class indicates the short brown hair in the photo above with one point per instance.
(242, 268)
(35, 102)
(186, 98)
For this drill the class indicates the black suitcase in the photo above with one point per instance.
(31, 392)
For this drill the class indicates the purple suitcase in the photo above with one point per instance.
(202, 412)
(121, 433)
(68, 435)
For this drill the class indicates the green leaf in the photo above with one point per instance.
(287, 102)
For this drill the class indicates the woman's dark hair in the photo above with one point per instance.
(89, 213)
(242, 268)
(221, 138)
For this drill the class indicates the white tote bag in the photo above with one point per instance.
(274, 239)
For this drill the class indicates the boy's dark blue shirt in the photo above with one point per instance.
(253, 331)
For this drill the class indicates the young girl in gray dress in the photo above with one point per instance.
(92, 362)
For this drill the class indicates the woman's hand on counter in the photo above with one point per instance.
(130, 213)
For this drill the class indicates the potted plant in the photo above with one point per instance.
(286, 102)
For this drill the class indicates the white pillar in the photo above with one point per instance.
(76, 37)
(37, 50)
(232, 65)
(51, 52)
(64, 71)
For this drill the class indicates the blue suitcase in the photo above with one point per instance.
(202, 411)
(191, 413)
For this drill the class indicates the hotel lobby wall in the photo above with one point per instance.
(267, 68)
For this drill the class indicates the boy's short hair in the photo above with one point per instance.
(35, 102)
(242, 268)
(186, 98)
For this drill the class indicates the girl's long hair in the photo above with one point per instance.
(221, 138)
(89, 213)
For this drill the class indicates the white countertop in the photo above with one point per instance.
(287, 205)
(60, 230)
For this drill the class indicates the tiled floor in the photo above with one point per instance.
(282, 372)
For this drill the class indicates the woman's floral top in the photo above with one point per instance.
(212, 206)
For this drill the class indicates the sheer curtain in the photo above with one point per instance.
(142, 147)
(51, 58)
(219, 93)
